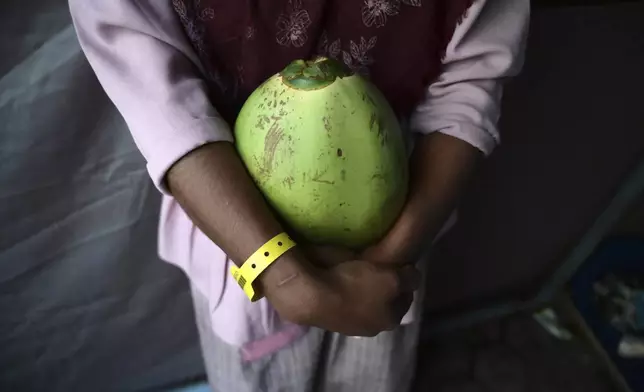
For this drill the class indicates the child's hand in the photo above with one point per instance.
(352, 297)
(359, 298)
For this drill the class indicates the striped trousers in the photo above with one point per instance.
(317, 362)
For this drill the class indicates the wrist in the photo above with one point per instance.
(413, 231)
(289, 286)
(440, 168)
(283, 270)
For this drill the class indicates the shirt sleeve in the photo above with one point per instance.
(149, 70)
(486, 47)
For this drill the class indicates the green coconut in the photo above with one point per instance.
(327, 151)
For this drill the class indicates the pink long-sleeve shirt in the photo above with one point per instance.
(150, 71)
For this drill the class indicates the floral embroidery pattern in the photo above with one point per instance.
(192, 19)
(375, 12)
(327, 49)
(204, 13)
(357, 57)
(250, 32)
(240, 74)
(194, 30)
(292, 28)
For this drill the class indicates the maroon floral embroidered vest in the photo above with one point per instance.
(398, 44)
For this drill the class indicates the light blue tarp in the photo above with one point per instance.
(85, 304)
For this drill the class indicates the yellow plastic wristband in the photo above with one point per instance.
(258, 262)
